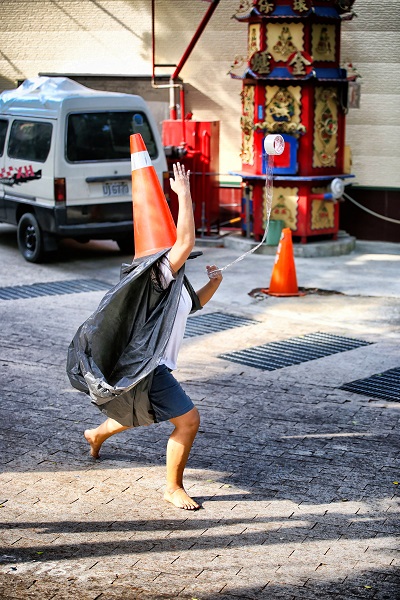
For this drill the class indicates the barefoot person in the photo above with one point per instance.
(138, 387)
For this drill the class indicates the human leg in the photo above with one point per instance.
(178, 450)
(171, 403)
(96, 437)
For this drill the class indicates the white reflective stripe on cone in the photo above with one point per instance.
(140, 160)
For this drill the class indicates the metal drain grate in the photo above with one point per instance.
(212, 322)
(53, 288)
(385, 386)
(293, 351)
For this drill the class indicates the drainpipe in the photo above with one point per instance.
(199, 31)
(172, 85)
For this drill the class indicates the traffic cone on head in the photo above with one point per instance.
(154, 227)
(283, 279)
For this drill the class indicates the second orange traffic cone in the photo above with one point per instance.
(154, 227)
(283, 280)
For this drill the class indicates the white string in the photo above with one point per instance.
(371, 212)
(268, 198)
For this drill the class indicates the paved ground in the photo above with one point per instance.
(297, 477)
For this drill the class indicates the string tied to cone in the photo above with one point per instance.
(273, 145)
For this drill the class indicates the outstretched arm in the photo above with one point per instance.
(185, 229)
(207, 292)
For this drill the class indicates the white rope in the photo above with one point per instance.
(268, 194)
(371, 212)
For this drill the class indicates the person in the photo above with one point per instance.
(167, 398)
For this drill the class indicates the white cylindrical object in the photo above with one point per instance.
(337, 188)
(274, 144)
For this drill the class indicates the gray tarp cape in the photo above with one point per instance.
(116, 350)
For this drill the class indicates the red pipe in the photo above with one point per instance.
(182, 100)
(195, 38)
(199, 31)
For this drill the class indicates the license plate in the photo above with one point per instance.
(117, 188)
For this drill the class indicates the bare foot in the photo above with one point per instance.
(94, 446)
(180, 499)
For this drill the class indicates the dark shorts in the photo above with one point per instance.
(167, 397)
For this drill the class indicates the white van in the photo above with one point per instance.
(65, 163)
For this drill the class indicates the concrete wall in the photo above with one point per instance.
(113, 37)
(371, 42)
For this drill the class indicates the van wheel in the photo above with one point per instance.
(126, 244)
(30, 238)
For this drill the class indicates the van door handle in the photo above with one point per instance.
(107, 178)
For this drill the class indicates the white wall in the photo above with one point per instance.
(113, 37)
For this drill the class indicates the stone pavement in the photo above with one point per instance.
(298, 478)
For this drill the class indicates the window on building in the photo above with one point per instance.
(105, 135)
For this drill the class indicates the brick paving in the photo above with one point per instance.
(296, 476)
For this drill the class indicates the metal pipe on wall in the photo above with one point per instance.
(172, 85)
(195, 38)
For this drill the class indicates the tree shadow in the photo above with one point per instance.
(191, 532)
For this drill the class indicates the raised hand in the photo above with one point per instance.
(180, 182)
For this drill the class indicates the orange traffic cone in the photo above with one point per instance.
(153, 225)
(283, 280)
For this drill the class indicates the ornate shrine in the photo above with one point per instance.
(293, 85)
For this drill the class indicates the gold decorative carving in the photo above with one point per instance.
(322, 212)
(254, 38)
(247, 125)
(265, 6)
(284, 206)
(284, 39)
(244, 7)
(325, 127)
(300, 5)
(299, 64)
(323, 42)
(238, 67)
(259, 63)
(282, 110)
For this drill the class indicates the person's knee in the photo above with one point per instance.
(195, 418)
(190, 420)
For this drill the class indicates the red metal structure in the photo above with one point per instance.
(200, 154)
(293, 85)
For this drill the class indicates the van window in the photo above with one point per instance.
(3, 131)
(105, 135)
(30, 140)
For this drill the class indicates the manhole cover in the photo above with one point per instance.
(52, 288)
(385, 386)
(212, 322)
(292, 351)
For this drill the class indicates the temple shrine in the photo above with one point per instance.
(293, 85)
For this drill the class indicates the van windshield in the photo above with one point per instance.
(97, 136)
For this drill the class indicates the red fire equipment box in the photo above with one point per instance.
(195, 144)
